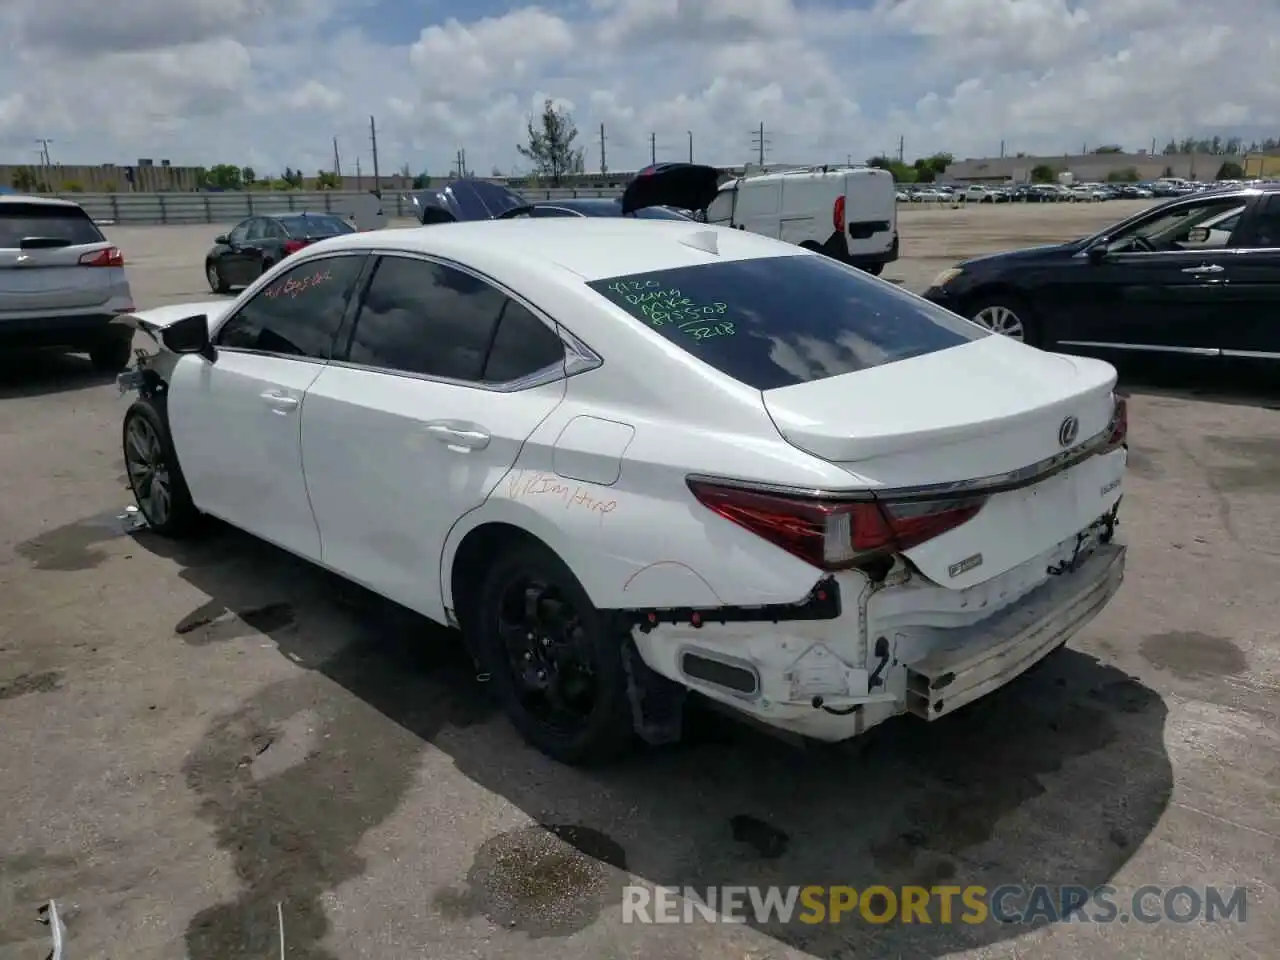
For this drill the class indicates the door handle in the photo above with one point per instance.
(280, 403)
(1204, 268)
(458, 437)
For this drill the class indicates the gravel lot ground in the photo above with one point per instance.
(191, 736)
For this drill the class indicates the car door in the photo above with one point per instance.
(236, 421)
(1143, 291)
(443, 378)
(256, 249)
(1250, 327)
(233, 259)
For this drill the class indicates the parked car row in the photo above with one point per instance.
(1059, 193)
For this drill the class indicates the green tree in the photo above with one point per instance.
(901, 172)
(223, 176)
(327, 180)
(1230, 170)
(1109, 148)
(24, 180)
(1043, 173)
(550, 148)
(248, 177)
(422, 181)
(292, 178)
(1126, 175)
(73, 186)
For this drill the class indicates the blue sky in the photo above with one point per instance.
(270, 84)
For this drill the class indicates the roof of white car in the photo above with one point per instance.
(42, 201)
(592, 248)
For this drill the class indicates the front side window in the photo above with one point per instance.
(426, 318)
(298, 314)
(778, 321)
(240, 233)
(1188, 226)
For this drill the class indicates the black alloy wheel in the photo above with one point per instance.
(555, 662)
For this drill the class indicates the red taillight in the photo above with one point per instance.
(835, 534)
(1119, 427)
(293, 246)
(110, 257)
(837, 215)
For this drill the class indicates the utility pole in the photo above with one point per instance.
(46, 163)
(759, 141)
(337, 160)
(373, 139)
(359, 180)
(653, 148)
(604, 168)
(902, 146)
(691, 146)
(1001, 149)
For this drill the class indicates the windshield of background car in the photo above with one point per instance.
(315, 226)
(779, 321)
(69, 224)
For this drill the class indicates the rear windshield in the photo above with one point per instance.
(318, 225)
(780, 321)
(69, 224)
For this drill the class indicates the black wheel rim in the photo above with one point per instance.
(148, 471)
(549, 652)
(215, 278)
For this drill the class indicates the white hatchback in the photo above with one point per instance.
(632, 459)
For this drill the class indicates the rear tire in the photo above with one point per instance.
(875, 269)
(156, 479)
(548, 650)
(111, 356)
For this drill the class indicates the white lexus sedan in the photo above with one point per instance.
(632, 459)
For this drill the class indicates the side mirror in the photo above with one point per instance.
(221, 238)
(1099, 251)
(190, 335)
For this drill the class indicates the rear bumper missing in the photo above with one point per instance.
(985, 657)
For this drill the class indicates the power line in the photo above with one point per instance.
(760, 142)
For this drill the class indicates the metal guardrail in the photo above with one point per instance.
(179, 208)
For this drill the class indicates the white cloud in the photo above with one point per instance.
(207, 81)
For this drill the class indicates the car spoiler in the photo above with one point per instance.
(685, 186)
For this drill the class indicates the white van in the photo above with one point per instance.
(849, 213)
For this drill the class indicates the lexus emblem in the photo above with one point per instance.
(1068, 430)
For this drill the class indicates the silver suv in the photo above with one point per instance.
(61, 282)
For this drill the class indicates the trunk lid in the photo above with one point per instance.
(987, 409)
(685, 186)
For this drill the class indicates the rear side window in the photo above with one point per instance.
(522, 345)
(69, 224)
(314, 226)
(779, 321)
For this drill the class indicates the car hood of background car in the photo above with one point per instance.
(685, 186)
(1026, 255)
(465, 200)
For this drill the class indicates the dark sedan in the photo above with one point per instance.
(1196, 276)
(257, 244)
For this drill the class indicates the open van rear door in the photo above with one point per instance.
(685, 186)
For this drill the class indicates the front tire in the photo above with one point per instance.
(555, 661)
(213, 273)
(1007, 315)
(156, 479)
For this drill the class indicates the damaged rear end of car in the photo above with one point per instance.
(970, 526)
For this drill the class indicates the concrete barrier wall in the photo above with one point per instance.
(150, 208)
